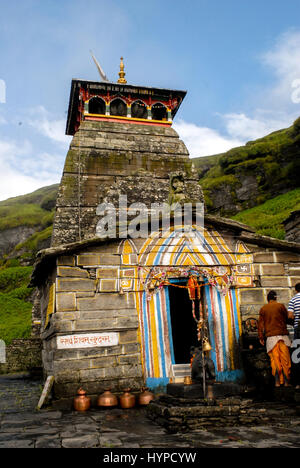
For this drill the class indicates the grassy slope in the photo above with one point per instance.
(23, 215)
(35, 209)
(38, 196)
(273, 160)
(15, 308)
(267, 218)
(207, 161)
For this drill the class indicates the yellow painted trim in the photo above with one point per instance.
(51, 304)
(127, 248)
(169, 122)
(230, 330)
(139, 332)
(154, 338)
(239, 312)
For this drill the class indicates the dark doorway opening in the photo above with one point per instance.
(97, 106)
(159, 112)
(118, 107)
(139, 110)
(184, 327)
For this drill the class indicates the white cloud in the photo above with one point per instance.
(239, 128)
(52, 128)
(25, 168)
(245, 128)
(14, 183)
(17, 176)
(285, 55)
(284, 61)
(203, 141)
(275, 106)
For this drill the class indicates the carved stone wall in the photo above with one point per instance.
(87, 301)
(108, 159)
(22, 355)
(96, 292)
(279, 271)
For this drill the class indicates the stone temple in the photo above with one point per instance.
(120, 311)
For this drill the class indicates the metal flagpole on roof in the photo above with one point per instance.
(100, 69)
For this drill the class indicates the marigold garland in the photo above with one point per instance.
(158, 277)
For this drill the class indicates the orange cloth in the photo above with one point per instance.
(272, 320)
(281, 362)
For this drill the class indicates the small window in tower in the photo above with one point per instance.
(159, 112)
(118, 107)
(139, 110)
(97, 106)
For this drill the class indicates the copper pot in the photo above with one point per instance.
(187, 380)
(145, 397)
(107, 399)
(127, 400)
(81, 401)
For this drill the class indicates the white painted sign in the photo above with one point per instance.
(88, 340)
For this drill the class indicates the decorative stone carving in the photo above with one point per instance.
(177, 193)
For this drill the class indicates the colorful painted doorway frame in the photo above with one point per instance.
(204, 249)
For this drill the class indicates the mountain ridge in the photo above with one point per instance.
(249, 175)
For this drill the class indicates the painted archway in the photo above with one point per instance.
(176, 254)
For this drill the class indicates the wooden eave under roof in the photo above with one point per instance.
(102, 85)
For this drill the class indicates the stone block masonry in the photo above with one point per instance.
(106, 160)
(88, 302)
(185, 415)
(274, 270)
(98, 283)
(22, 355)
(88, 305)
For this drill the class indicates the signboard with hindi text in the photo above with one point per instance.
(87, 340)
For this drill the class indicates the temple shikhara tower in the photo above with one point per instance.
(123, 144)
(119, 312)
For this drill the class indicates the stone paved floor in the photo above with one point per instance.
(21, 426)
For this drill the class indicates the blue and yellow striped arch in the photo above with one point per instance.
(199, 248)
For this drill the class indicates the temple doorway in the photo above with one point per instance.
(184, 327)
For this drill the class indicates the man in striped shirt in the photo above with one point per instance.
(294, 310)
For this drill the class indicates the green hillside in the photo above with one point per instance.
(248, 176)
(15, 305)
(267, 218)
(26, 225)
(25, 228)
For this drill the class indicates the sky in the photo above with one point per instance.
(238, 60)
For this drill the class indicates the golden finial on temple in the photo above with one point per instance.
(122, 73)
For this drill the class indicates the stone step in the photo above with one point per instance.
(180, 371)
(181, 366)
